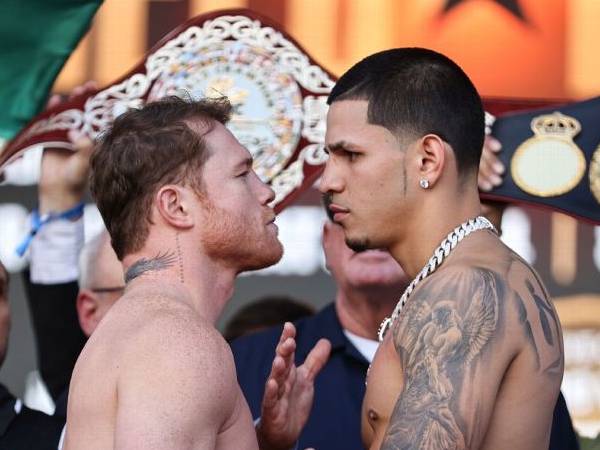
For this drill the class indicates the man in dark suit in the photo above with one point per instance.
(21, 427)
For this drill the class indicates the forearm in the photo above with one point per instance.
(51, 292)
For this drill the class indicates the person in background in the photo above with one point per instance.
(101, 284)
(21, 428)
(51, 281)
(264, 313)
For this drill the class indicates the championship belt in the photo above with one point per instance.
(553, 158)
(279, 97)
(278, 93)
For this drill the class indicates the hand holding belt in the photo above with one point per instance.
(553, 156)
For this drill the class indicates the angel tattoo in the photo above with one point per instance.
(440, 339)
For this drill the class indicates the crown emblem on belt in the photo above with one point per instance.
(557, 125)
(549, 163)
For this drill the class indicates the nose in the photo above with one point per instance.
(266, 194)
(330, 179)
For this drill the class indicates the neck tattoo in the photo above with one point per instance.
(159, 262)
(179, 258)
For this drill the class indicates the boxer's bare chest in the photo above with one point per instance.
(384, 384)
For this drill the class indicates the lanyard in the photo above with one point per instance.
(38, 222)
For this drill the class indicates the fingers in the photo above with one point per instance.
(491, 168)
(278, 381)
(289, 331)
(287, 345)
(88, 86)
(283, 361)
(53, 101)
(316, 359)
(56, 99)
(270, 397)
(286, 348)
(493, 144)
(81, 141)
(282, 374)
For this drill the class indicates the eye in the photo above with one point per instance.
(243, 174)
(351, 155)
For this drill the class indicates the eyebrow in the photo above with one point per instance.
(340, 146)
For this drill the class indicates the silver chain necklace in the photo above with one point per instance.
(440, 253)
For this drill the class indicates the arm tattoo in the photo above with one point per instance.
(159, 262)
(447, 326)
(549, 324)
(524, 321)
(546, 313)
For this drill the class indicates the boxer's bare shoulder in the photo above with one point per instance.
(480, 350)
(166, 374)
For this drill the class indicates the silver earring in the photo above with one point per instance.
(424, 183)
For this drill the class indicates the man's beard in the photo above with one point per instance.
(233, 240)
(359, 245)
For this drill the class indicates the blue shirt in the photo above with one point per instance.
(334, 422)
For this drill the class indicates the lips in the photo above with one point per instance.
(270, 217)
(338, 211)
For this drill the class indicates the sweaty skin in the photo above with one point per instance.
(153, 353)
(474, 361)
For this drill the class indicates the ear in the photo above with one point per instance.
(431, 158)
(87, 308)
(174, 205)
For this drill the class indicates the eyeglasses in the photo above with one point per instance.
(108, 290)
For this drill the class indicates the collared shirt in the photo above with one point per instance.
(334, 422)
(366, 347)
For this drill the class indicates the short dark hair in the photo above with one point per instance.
(143, 150)
(419, 91)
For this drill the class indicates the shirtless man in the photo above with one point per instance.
(475, 359)
(186, 213)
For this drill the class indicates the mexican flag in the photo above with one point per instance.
(36, 38)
